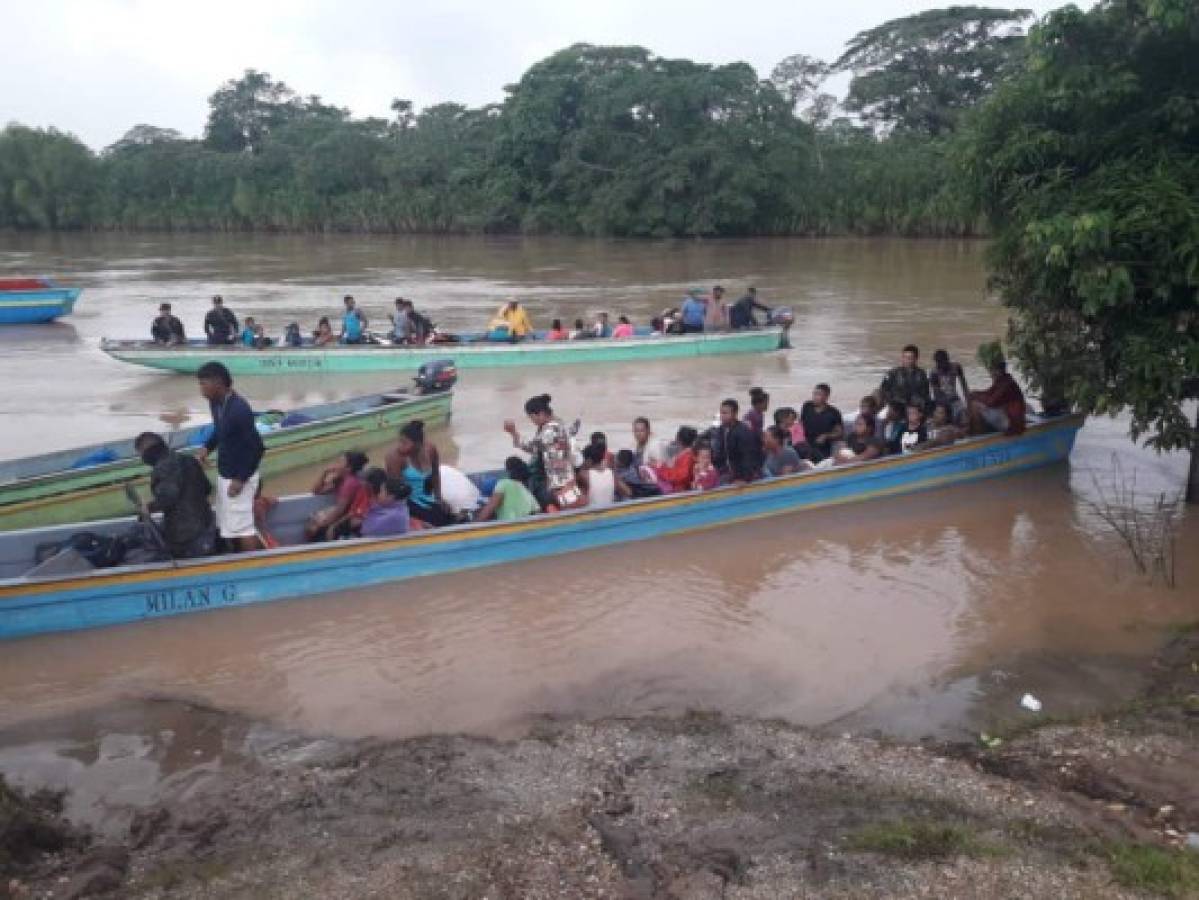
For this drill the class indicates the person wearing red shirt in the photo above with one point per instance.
(1000, 407)
(676, 476)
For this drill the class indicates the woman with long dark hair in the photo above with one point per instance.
(550, 448)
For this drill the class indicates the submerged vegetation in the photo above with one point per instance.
(592, 141)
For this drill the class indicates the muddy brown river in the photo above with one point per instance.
(930, 614)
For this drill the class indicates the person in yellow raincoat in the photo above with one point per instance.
(510, 323)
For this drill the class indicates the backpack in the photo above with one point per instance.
(101, 550)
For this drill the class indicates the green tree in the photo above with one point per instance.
(1088, 167)
(48, 179)
(244, 111)
(919, 73)
(613, 140)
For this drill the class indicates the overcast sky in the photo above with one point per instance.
(97, 67)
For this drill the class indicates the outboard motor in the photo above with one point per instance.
(782, 315)
(436, 375)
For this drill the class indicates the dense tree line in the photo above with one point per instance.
(1087, 166)
(592, 140)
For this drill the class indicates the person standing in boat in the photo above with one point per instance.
(550, 448)
(759, 403)
(353, 323)
(822, 423)
(943, 380)
(741, 313)
(239, 452)
(907, 383)
(693, 312)
(166, 329)
(736, 450)
(179, 490)
(220, 324)
(717, 311)
(401, 323)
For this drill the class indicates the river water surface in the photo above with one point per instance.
(927, 614)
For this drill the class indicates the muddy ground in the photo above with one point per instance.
(694, 807)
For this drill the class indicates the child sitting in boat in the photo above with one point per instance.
(913, 434)
(705, 475)
(676, 475)
(510, 498)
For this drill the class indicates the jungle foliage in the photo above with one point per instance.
(1087, 165)
(592, 140)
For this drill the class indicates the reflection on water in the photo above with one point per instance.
(916, 614)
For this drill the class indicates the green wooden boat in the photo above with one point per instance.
(474, 351)
(88, 483)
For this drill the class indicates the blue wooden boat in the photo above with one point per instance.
(37, 603)
(30, 301)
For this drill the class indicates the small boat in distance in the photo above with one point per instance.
(31, 301)
(36, 596)
(472, 351)
(87, 483)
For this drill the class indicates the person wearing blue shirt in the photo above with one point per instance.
(353, 323)
(602, 327)
(693, 312)
(247, 332)
(239, 449)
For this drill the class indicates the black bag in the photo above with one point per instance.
(101, 550)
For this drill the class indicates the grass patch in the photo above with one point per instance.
(1170, 873)
(922, 839)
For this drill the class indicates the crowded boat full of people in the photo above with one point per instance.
(406, 326)
(554, 469)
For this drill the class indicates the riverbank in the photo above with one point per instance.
(697, 806)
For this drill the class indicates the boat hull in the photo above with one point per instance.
(108, 598)
(475, 355)
(98, 492)
(36, 306)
